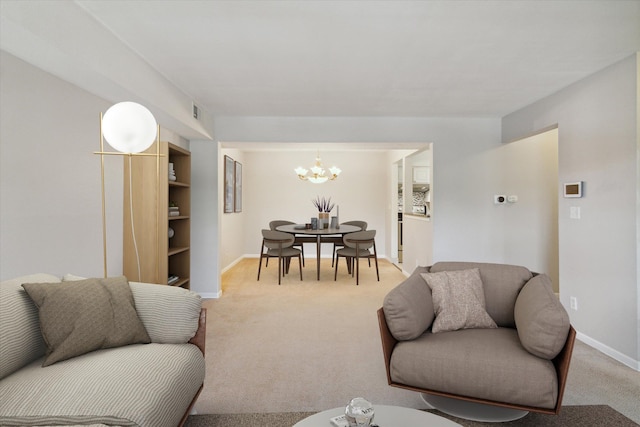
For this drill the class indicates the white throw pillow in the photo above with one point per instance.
(458, 300)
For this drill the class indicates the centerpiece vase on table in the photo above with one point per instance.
(324, 207)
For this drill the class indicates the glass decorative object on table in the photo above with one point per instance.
(359, 413)
(323, 220)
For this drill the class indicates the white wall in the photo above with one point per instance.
(205, 223)
(234, 225)
(530, 168)
(273, 191)
(597, 122)
(50, 205)
(416, 251)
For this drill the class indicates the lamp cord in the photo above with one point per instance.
(133, 230)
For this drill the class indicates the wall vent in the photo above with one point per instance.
(196, 111)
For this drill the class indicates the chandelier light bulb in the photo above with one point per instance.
(129, 127)
(302, 172)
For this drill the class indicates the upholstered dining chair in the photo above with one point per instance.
(279, 245)
(337, 241)
(361, 244)
(299, 240)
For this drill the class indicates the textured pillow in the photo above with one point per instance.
(501, 284)
(458, 300)
(541, 320)
(170, 314)
(86, 315)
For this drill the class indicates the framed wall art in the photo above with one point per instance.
(229, 190)
(238, 187)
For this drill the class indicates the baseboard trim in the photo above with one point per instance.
(613, 353)
(210, 295)
(236, 261)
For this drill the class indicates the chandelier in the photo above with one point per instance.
(318, 174)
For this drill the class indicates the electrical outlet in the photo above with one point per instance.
(573, 301)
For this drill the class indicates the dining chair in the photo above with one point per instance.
(338, 242)
(361, 244)
(299, 240)
(279, 245)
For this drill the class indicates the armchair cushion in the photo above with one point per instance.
(408, 308)
(481, 363)
(82, 316)
(541, 320)
(458, 300)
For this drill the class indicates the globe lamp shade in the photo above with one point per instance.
(129, 127)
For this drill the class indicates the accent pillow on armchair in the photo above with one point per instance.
(458, 300)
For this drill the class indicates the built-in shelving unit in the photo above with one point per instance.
(161, 208)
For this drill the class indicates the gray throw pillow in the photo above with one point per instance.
(541, 320)
(408, 308)
(458, 300)
(86, 315)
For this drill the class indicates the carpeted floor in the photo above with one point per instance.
(570, 416)
(275, 354)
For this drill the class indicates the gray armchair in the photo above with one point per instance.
(520, 362)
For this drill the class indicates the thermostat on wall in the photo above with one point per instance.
(573, 189)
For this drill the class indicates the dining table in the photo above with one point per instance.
(319, 233)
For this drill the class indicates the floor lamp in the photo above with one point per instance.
(130, 129)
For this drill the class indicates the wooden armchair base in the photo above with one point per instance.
(561, 363)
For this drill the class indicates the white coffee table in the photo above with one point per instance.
(386, 416)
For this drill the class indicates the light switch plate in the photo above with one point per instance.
(574, 212)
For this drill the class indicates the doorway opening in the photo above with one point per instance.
(531, 174)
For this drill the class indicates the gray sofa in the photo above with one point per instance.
(521, 362)
(153, 384)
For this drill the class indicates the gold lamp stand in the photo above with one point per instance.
(104, 153)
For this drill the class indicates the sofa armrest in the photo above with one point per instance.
(408, 308)
(200, 337)
(171, 315)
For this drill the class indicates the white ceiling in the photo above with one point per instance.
(321, 58)
(372, 58)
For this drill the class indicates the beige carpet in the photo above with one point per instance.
(300, 346)
(313, 345)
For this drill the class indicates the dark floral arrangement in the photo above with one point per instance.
(322, 204)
